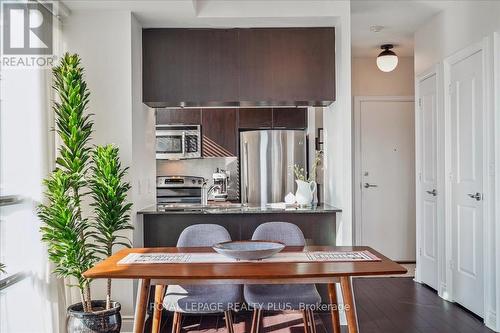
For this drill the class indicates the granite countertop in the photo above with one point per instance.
(212, 209)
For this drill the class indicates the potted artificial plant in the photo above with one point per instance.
(74, 240)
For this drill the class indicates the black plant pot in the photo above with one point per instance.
(99, 321)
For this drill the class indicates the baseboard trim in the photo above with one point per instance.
(127, 324)
(490, 320)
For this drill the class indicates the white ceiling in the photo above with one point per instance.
(220, 13)
(400, 18)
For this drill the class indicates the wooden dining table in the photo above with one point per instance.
(258, 272)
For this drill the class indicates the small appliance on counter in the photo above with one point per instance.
(221, 180)
(175, 142)
(179, 190)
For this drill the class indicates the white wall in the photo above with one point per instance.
(109, 43)
(368, 80)
(464, 24)
(337, 132)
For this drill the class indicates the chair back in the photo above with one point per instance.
(284, 232)
(203, 235)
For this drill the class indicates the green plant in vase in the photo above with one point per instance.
(109, 193)
(65, 231)
(76, 242)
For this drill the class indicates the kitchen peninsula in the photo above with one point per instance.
(162, 227)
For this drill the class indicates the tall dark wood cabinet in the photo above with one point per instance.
(239, 67)
(220, 132)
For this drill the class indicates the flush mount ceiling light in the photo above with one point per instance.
(387, 60)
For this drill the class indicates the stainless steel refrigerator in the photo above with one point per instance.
(267, 158)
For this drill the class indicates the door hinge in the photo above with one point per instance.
(451, 264)
(420, 251)
(420, 103)
(450, 89)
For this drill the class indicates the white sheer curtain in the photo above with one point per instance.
(36, 302)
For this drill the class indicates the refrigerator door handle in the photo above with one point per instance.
(246, 170)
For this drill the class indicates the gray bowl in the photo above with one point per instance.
(249, 250)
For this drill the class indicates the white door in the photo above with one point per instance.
(387, 177)
(427, 118)
(466, 108)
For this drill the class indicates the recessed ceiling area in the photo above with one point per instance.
(221, 13)
(399, 19)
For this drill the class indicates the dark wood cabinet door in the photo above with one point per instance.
(255, 118)
(178, 116)
(223, 67)
(256, 77)
(290, 118)
(190, 67)
(220, 132)
(303, 64)
(164, 64)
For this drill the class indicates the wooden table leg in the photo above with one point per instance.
(141, 305)
(305, 318)
(332, 293)
(349, 304)
(159, 294)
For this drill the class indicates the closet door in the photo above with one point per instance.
(427, 178)
(466, 105)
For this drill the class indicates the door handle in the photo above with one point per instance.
(433, 192)
(478, 196)
(368, 185)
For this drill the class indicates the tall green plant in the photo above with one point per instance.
(65, 231)
(109, 193)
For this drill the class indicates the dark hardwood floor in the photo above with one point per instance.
(384, 305)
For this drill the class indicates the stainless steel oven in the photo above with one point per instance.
(175, 142)
(179, 190)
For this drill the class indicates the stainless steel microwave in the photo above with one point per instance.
(175, 142)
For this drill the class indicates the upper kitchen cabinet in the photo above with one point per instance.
(183, 67)
(290, 118)
(256, 63)
(178, 116)
(240, 67)
(303, 66)
(255, 118)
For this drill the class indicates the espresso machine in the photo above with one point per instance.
(219, 189)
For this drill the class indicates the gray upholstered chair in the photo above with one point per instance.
(202, 298)
(291, 297)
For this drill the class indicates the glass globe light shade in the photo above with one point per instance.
(387, 61)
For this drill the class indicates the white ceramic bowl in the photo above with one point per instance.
(249, 250)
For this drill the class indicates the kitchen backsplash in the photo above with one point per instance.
(204, 167)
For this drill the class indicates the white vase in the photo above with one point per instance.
(304, 194)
